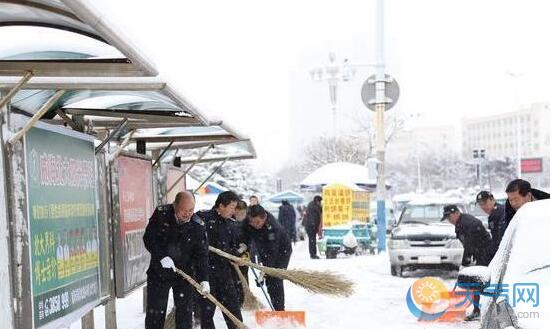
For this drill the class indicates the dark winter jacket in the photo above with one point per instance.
(185, 243)
(313, 217)
(287, 218)
(496, 221)
(475, 239)
(221, 235)
(271, 243)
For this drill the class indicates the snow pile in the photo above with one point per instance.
(481, 272)
(339, 172)
(349, 240)
(413, 229)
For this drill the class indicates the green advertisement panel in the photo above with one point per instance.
(63, 224)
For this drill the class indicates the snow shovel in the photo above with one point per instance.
(277, 319)
(280, 319)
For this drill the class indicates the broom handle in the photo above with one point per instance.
(210, 297)
(236, 259)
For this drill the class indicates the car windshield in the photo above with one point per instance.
(422, 214)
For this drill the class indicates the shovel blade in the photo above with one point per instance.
(280, 319)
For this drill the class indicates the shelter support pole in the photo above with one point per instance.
(188, 169)
(68, 120)
(4, 100)
(45, 108)
(87, 320)
(162, 153)
(211, 174)
(111, 135)
(111, 314)
(113, 156)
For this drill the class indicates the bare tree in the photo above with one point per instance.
(326, 150)
(366, 131)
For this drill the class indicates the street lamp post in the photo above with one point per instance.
(333, 73)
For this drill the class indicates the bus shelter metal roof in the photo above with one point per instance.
(187, 143)
(145, 102)
(75, 16)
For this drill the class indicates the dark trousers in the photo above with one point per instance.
(226, 293)
(476, 302)
(157, 297)
(312, 247)
(276, 292)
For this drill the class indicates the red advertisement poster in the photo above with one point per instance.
(135, 191)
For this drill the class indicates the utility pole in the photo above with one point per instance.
(380, 113)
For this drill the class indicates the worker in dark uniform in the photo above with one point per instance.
(221, 235)
(313, 224)
(237, 222)
(496, 217)
(273, 245)
(519, 192)
(176, 238)
(476, 242)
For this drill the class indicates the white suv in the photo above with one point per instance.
(421, 240)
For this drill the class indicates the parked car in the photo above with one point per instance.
(421, 240)
(523, 258)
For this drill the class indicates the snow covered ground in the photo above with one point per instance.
(379, 301)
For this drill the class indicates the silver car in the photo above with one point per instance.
(421, 240)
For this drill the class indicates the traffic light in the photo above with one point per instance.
(479, 153)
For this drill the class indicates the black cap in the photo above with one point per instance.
(448, 209)
(483, 196)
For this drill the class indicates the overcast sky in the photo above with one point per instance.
(247, 62)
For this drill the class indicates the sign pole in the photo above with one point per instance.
(380, 112)
(380, 93)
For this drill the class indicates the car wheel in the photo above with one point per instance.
(396, 270)
(331, 253)
(399, 271)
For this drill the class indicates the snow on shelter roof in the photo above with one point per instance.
(339, 172)
(116, 57)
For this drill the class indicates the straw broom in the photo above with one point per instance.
(319, 282)
(250, 302)
(170, 320)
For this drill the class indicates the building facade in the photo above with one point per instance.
(498, 135)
